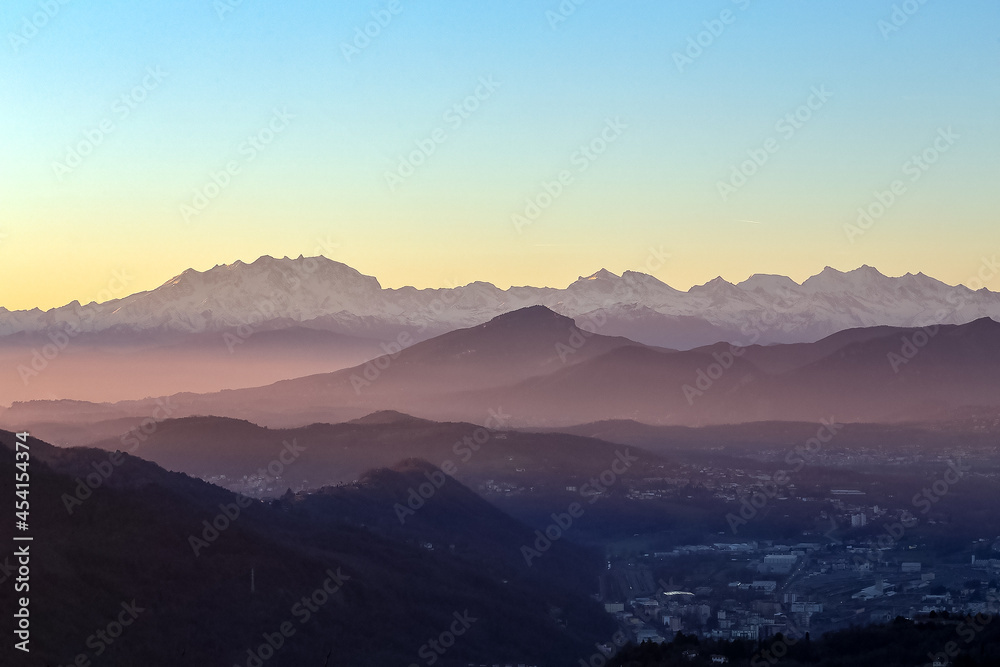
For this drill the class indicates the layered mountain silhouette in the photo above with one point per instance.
(542, 369)
(233, 453)
(129, 542)
(248, 324)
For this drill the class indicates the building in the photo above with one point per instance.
(778, 564)
(764, 586)
(878, 590)
(752, 633)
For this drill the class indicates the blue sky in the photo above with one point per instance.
(322, 181)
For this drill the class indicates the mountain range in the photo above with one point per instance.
(319, 293)
(536, 368)
(378, 408)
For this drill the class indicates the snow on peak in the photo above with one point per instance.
(603, 274)
(332, 295)
(767, 282)
(717, 285)
(832, 280)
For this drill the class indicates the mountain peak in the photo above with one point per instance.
(382, 417)
(304, 267)
(983, 324)
(637, 277)
(767, 282)
(529, 316)
(833, 280)
(603, 274)
(717, 284)
(718, 281)
(867, 272)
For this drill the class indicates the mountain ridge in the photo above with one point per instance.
(545, 371)
(320, 293)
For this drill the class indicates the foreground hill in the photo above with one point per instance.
(130, 542)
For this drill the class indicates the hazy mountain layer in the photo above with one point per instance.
(535, 368)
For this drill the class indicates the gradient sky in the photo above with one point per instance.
(320, 186)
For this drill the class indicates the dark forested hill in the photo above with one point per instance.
(157, 568)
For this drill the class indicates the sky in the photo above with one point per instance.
(526, 143)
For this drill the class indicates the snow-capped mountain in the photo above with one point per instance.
(319, 293)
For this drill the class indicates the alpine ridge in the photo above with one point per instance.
(319, 293)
